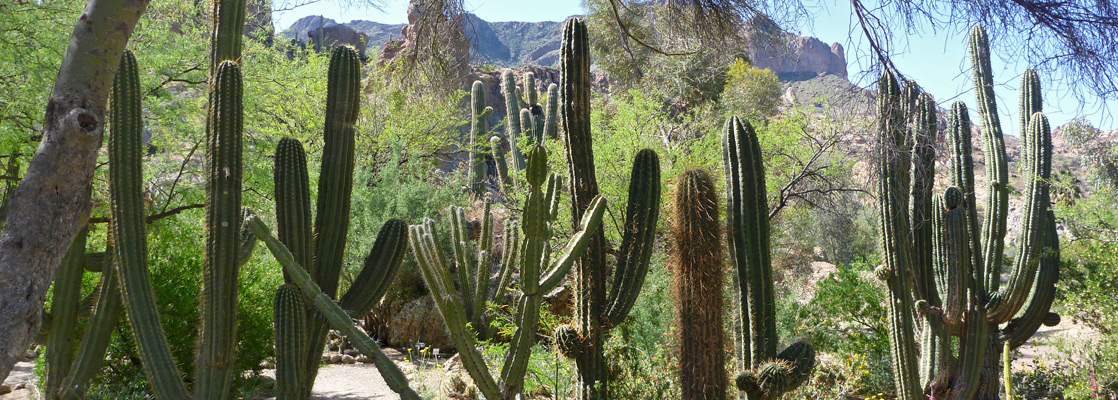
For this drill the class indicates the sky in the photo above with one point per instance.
(936, 60)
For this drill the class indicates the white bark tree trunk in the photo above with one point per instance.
(53, 199)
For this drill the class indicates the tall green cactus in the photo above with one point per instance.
(512, 117)
(290, 341)
(371, 284)
(128, 230)
(535, 254)
(98, 332)
(551, 113)
(65, 299)
(479, 128)
(763, 373)
(332, 312)
(696, 264)
(598, 309)
(217, 338)
(961, 295)
(498, 150)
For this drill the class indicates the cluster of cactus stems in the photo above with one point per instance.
(524, 116)
(763, 373)
(539, 274)
(331, 311)
(598, 308)
(942, 268)
(300, 339)
(697, 269)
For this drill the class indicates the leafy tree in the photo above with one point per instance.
(750, 91)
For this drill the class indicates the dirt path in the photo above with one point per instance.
(22, 382)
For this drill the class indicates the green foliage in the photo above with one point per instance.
(751, 92)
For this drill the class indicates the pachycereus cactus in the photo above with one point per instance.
(598, 308)
(942, 268)
(763, 373)
(539, 274)
(696, 265)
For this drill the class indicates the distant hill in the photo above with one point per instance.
(503, 44)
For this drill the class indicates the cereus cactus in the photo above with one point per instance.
(539, 274)
(551, 113)
(696, 264)
(512, 117)
(763, 373)
(598, 308)
(939, 262)
(290, 341)
(332, 312)
(479, 128)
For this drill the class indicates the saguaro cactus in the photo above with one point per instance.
(598, 309)
(696, 264)
(957, 265)
(764, 373)
(534, 282)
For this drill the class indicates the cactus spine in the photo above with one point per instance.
(764, 373)
(696, 264)
(334, 314)
(961, 296)
(596, 309)
(455, 305)
(479, 127)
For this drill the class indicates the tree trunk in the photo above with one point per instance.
(53, 199)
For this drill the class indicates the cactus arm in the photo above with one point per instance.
(98, 333)
(1029, 103)
(552, 196)
(333, 313)
(1020, 329)
(379, 269)
(575, 247)
(462, 264)
(923, 175)
(217, 335)
(1012, 297)
(527, 128)
(335, 184)
(512, 114)
(293, 202)
(893, 169)
(511, 256)
(290, 341)
(66, 295)
(962, 177)
(478, 129)
(637, 243)
(246, 241)
(551, 110)
(499, 158)
(481, 269)
(997, 171)
(131, 252)
(228, 33)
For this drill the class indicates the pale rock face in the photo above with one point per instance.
(338, 35)
(796, 57)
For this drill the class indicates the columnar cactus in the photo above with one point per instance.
(496, 146)
(551, 113)
(98, 332)
(332, 312)
(217, 337)
(763, 373)
(128, 229)
(955, 265)
(65, 299)
(535, 254)
(479, 128)
(372, 282)
(290, 341)
(696, 264)
(512, 117)
(335, 184)
(597, 308)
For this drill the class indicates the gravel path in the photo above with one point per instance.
(22, 382)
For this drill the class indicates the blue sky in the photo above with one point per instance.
(937, 60)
